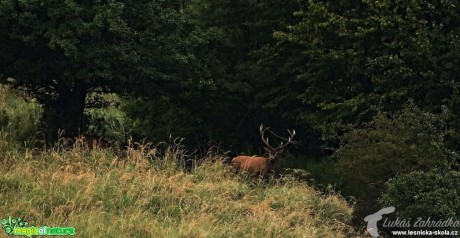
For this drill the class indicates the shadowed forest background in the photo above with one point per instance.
(371, 88)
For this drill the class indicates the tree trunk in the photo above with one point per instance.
(64, 116)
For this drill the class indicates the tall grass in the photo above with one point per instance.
(19, 120)
(147, 194)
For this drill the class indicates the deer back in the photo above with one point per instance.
(253, 165)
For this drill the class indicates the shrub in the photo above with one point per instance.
(389, 145)
(104, 118)
(434, 194)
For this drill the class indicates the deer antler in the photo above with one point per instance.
(282, 145)
(289, 140)
(265, 140)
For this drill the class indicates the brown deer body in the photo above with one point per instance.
(257, 165)
(251, 164)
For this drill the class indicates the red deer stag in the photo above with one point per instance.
(258, 166)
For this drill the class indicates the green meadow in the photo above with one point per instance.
(148, 194)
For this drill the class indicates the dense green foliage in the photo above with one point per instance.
(391, 145)
(219, 69)
(376, 53)
(107, 121)
(60, 51)
(249, 88)
(433, 194)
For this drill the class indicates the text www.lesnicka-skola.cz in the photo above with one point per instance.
(425, 233)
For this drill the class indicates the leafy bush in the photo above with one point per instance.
(434, 194)
(104, 118)
(389, 145)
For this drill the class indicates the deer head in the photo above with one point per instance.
(261, 165)
(273, 152)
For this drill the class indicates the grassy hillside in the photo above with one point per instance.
(146, 192)
(102, 195)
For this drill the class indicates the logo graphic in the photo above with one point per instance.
(18, 227)
(10, 224)
(374, 218)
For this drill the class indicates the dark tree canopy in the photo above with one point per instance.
(216, 70)
(367, 54)
(250, 87)
(61, 50)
